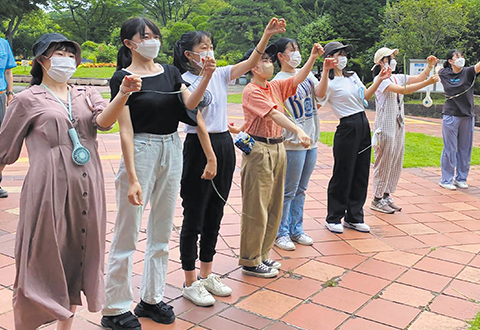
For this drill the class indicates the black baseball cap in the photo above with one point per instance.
(271, 50)
(335, 46)
(44, 42)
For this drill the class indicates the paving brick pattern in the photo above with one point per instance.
(418, 268)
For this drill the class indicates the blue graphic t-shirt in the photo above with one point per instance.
(303, 108)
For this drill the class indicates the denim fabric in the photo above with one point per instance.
(457, 147)
(158, 164)
(300, 165)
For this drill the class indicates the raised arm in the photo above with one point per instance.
(317, 50)
(431, 61)
(191, 99)
(384, 74)
(410, 88)
(328, 64)
(274, 26)
(111, 112)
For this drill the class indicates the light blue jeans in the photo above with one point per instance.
(300, 165)
(158, 164)
(457, 147)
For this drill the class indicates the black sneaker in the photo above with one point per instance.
(3, 193)
(272, 263)
(260, 271)
(125, 321)
(160, 313)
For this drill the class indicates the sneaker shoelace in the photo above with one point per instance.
(200, 287)
(284, 240)
(216, 282)
(264, 268)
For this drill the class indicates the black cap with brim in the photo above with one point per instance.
(335, 46)
(271, 50)
(45, 41)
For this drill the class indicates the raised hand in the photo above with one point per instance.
(209, 66)
(385, 73)
(329, 63)
(432, 61)
(317, 50)
(275, 26)
(433, 79)
(132, 83)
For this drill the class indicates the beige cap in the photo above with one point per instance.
(384, 52)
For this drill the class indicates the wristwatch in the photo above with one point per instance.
(9, 93)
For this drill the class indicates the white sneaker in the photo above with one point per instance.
(303, 239)
(272, 263)
(213, 285)
(197, 294)
(335, 227)
(460, 184)
(448, 186)
(362, 227)
(284, 243)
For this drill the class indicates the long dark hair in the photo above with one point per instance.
(282, 44)
(187, 42)
(450, 55)
(36, 72)
(377, 68)
(129, 29)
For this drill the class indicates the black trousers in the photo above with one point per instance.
(202, 207)
(347, 189)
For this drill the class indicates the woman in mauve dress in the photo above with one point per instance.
(60, 242)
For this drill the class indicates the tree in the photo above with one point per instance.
(93, 20)
(423, 27)
(13, 11)
(169, 10)
(359, 22)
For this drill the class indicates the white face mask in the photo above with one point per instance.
(203, 56)
(61, 68)
(393, 64)
(148, 48)
(459, 62)
(342, 62)
(295, 59)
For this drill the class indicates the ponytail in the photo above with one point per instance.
(124, 57)
(186, 43)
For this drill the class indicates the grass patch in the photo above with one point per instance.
(420, 150)
(234, 98)
(475, 323)
(100, 73)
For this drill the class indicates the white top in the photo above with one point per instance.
(215, 114)
(345, 95)
(303, 107)
(380, 94)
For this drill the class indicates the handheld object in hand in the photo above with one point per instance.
(244, 142)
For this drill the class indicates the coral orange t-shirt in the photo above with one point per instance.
(258, 101)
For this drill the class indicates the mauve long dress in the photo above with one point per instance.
(60, 240)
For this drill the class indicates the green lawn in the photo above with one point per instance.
(420, 150)
(80, 73)
(475, 323)
(234, 98)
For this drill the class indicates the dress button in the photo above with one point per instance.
(81, 264)
(84, 212)
(83, 247)
(83, 230)
(84, 175)
(85, 194)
